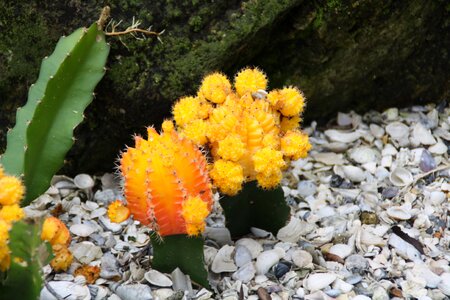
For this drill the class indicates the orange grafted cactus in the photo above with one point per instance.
(166, 183)
(57, 234)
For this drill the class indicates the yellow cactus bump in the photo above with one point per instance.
(11, 192)
(166, 182)
(251, 133)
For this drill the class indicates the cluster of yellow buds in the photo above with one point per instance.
(251, 133)
(11, 192)
(56, 233)
(166, 184)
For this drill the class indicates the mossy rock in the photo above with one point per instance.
(345, 55)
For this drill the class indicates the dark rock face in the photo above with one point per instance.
(345, 55)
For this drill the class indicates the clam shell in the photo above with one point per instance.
(342, 136)
(421, 135)
(397, 130)
(401, 177)
(363, 154)
(83, 181)
(352, 173)
(223, 262)
(341, 250)
(318, 281)
(267, 259)
(253, 246)
(302, 259)
(444, 285)
(328, 158)
(157, 278)
(398, 213)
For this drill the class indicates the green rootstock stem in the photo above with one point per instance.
(180, 251)
(255, 207)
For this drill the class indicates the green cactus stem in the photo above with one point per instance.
(28, 255)
(255, 207)
(44, 131)
(180, 251)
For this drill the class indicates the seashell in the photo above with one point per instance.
(42, 202)
(181, 282)
(318, 281)
(363, 154)
(397, 130)
(390, 114)
(83, 181)
(245, 273)
(398, 213)
(157, 278)
(106, 223)
(442, 133)
(63, 182)
(343, 286)
(438, 148)
(389, 150)
(294, 230)
(401, 177)
(165, 294)
(110, 267)
(89, 205)
(328, 158)
(223, 262)
(108, 181)
(253, 246)
(421, 135)
(306, 188)
(404, 249)
(260, 233)
(344, 119)
(421, 270)
(242, 255)
(341, 250)
(83, 230)
(221, 235)
(437, 197)
(352, 173)
(377, 131)
(65, 290)
(371, 167)
(444, 285)
(386, 161)
(302, 259)
(267, 259)
(136, 291)
(336, 147)
(85, 252)
(342, 136)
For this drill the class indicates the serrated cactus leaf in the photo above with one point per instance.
(50, 132)
(25, 275)
(13, 158)
(180, 251)
(255, 207)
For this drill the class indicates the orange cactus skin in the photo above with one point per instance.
(160, 173)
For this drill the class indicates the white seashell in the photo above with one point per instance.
(397, 130)
(219, 234)
(66, 290)
(342, 136)
(253, 246)
(82, 230)
(371, 167)
(318, 281)
(336, 147)
(209, 253)
(390, 114)
(245, 273)
(181, 282)
(306, 188)
(267, 259)
(328, 158)
(341, 250)
(134, 292)
(401, 177)
(242, 256)
(85, 252)
(223, 262)
(398, 213)
(404, 249)
(437, 197)
(386, 161)
(343, 286)
(294, 230)
(438, 148)
(381, 173)
(421, 135)
(361, 297)
(352, 173)
(421, 270)
(363, 154)
(389, 150)
(163, 294)
(302, 259)
(83, 181)
(377, 131)
(444, 285)
(157, 278)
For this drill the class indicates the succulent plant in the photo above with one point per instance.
(167, 188)
(57, 234)
(252, 135)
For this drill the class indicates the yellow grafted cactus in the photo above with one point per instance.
(166, 183)
(247, 130)
(57, 234)
(11, 192)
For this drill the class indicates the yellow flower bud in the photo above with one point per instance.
(186, 110)
(215, 87)
(227, 176)
(290, 102)
(167, 126)
(11, 190)
(196, 131)
(11, 213)
(117, 212)
(194, 212)
(231, 148)
(250, 81)
(269, 181)
(295, 144)
(290, 123)
(268, 161)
